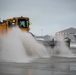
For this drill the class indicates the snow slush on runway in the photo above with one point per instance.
(18, 46)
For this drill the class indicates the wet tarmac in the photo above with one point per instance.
(42, 66)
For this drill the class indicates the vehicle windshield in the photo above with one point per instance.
(11, 23)
(23, 23)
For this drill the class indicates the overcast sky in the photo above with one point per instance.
(47, 16)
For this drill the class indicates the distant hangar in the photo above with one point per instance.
(70, 33)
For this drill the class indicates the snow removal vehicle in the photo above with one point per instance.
(22, 22)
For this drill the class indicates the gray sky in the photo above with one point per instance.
(47, 16)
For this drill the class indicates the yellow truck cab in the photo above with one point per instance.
(22, 22)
